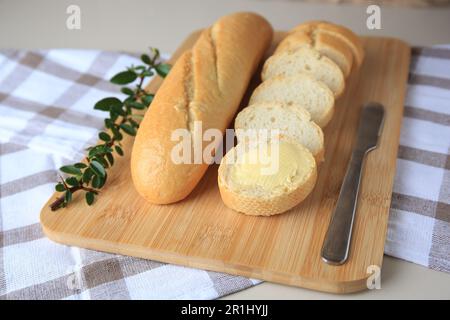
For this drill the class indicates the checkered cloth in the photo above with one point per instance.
(47, 120)
(419, 222)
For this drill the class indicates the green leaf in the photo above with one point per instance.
(128, 129)
(102, 161)
(119, 150)
(100, 149)
(129, 111)
(90, 198)
(155, 53)
(162, 69)
(70, 170)
(108, 123)
(104, 136)
(148, 99)
(128, 100)
(127, 91)
(116, 133)
(98, 169)
(107, 103)
(68, 196)
(60, 187)
(147, 73)
(113, 115)
(146, 59)
(80, 165)
(87, 175)
(124, 77)
(133, 123)
(137, 105)
(98, 182)
(110, 158)
(72, 181)
(118, 110)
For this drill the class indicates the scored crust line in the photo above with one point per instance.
(215, 57)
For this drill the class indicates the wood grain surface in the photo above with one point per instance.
(201, 232)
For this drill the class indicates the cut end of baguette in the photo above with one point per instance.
(339, 31)
(289, 120)
(309, 61)
(300, 89)
(332, 47)
(246, 188)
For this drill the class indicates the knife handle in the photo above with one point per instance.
(337, 241)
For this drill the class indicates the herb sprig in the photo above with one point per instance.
(91, 175)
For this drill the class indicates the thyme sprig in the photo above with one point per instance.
(91, 174)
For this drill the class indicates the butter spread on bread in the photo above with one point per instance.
(247, 188)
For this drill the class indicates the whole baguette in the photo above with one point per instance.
(206, 84)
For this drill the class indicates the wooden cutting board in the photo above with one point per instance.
(201, 232)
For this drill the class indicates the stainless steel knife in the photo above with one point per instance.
(337, 240)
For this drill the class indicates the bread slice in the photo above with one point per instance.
(246, 188)
(300, 89)
(291, 121)
(309, 61)
(338, 31)
(331, 47)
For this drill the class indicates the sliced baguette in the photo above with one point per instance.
(338, 31)
(328, 45)
(257, 198)
(302, 90)
(309, 61)
(291, 121)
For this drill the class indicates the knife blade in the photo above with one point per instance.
(336, 245)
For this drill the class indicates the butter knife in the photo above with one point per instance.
(337, 240)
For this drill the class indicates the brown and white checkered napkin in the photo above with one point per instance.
(47, 120)
(419, 222)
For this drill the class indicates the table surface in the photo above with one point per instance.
(133, 25)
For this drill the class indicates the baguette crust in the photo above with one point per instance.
(332, 47)
(206, 84)
(341, 32)
(266, 207)
(295, 40)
